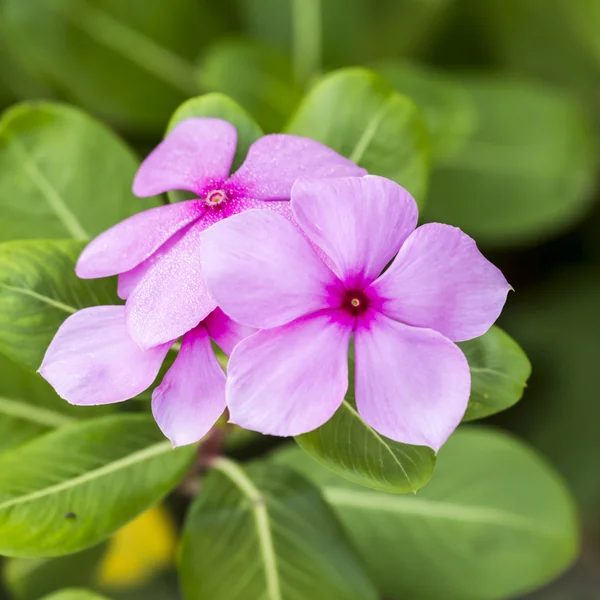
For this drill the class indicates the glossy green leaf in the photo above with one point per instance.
(38, 291)
(448, 111)
(220, 106)
(265, 532)
(357, 113)
(257, 77)
(129, 62)
(495, 521)
(34, 578)
(30, 407)
(74, 594)
(62, 174)
(499, 373)
(74, 487)
(527, 170)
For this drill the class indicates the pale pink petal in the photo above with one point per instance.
(274, 162)
(360, 222)
(225, 331)
(191, 396)
(171, 298)
(93, 360)
(440, 280)
(196, 155)
(412, 385)
(262, 271)
(291, 379)
(128, 243)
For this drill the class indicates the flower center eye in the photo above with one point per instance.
(216, 197)
(356, 302)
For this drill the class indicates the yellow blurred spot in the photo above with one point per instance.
(139, 550)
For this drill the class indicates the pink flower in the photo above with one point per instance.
(412, 382)
(157, 252)
(93, 360)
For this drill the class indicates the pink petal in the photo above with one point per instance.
(171, 298)
(93, 360)
(292, 379)
(262, 271)
(359, 222)
(197, 154)
(274, 162)
(412, 385)
(440, 280)
(191, 396)
(128, 243)
(225, 331)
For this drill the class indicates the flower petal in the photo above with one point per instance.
(412, 385)
(197, 154)
(440, 280)
(262, 271)
(93, 360)
(274, 162)
(191, 396)
(128, 243)
(360, 222)
(225, 331)
(292, 379)
(171, 298)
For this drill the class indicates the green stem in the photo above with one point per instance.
(307, 39)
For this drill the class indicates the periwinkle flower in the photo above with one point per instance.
(412, 381)
(157, 252)
(93, 360)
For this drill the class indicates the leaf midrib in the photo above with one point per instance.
(261, 519)
(34, 414)
(369, 132)
(433, 509)
(108, 469)
(40, 297)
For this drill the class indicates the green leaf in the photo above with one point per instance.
(62, 174)
(499, 373)
(494, 522)
(74, 487)
(526, 172)
(448, 111)
(257, 77)
(34, 578)
(74, 594)
(221, 107)
(38, 291)
(287, 542)
(357, 113)
(129, 62)
(30, 407)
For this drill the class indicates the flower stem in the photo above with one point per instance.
(307, 39)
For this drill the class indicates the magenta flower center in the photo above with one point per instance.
(355, 302)
(216, 197)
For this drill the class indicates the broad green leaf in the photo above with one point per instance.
(494, 522)
(257, 77)
(38, 291)
(499, 373)
(62, 174)
(30, 407)
(558, 323)
(34, 578)
(448, 111)
(348, 446)
(221, 107)
(527, 170)
(74, 594)
(74, 487)
(129, 62)
(265, 532)
(357, 113)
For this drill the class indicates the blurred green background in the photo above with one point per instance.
(510, 91)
